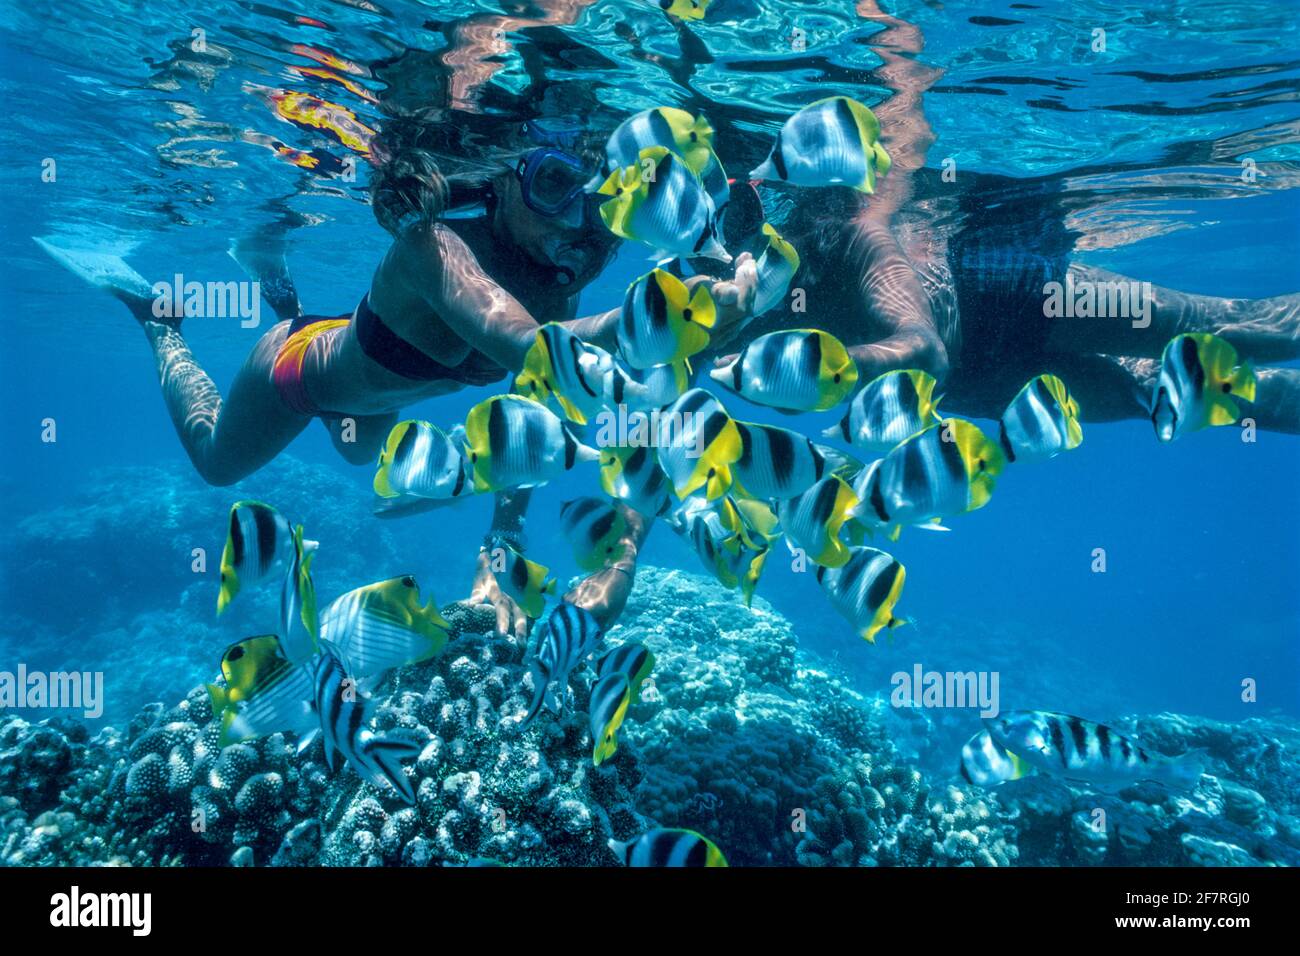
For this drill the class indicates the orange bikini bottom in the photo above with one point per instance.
(287, 371)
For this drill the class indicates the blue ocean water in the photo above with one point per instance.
(162, 157)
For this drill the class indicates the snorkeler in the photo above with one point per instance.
(955, 282)
(452, 304)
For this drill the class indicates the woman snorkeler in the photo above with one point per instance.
(454, 303)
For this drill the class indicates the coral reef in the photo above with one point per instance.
(738, 733)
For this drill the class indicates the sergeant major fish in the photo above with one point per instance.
(1077, 749)
(572, 634)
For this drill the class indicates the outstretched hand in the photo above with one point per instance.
(733, 299)
(511, 619)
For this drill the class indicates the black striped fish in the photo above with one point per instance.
(611, 696)
(835, 141)
(384, 625)
(660, 201)
(1200, 380)
(779, 463)
(633, 476)
(514, 442)
(1041, 422)
(259, 547)
(776, 268)
(422, 460)
(524, 582)
(344, 727)
(663, 322)
(697, 445)
(1077, 749)
(562, 366)
(889, 409)
(950, 468)
(864, 590)
(594, 528)
(797, 370)
(299, 624)
(985, 764)
(717, 532)
(812, 521)
(572, 634)
(688, 136)
(664, 847)
(633, 660)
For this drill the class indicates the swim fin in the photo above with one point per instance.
(111, 273)
(263, 260)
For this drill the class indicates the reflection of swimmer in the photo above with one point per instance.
(452, 304)
(950, 279)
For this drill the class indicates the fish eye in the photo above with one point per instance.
(712, 472)
(981, 464)
(235, 654)
(686, 314)
(1227, 387)
(837, 378)
(409, 581)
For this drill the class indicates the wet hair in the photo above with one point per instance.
(408, 192)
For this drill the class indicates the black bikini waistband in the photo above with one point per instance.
(383, 345)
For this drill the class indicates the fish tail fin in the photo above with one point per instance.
(263, 259)
(111, 273)
(386, 755)
(541, 681)
(703, 310)
(1184, 772)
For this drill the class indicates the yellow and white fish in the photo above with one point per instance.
(779, 463)
(299, 624)
(1066, 746)
(949, 468)
(1201, 379)
(515, 442)
(812, 521)
(835, 141)
(1041, 422)
(524, 581)
(776, 268)
(594, 528)
(688, 136)
(698, 444)
(797, 370)
(660, 201)
(684, 9)
(611, 696)
(383, 625)
(985, 764)
(662, 321)
(562, 366)
(865, 589)
(254, 668)
(889, 409)
(421, 460)
(259, 547)
(664, 847)
(633, 660)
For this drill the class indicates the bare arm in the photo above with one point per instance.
(508, 523)
(467, 299)
(605, 593)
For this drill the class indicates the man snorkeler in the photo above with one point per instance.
(954, 281)
(454, 303)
